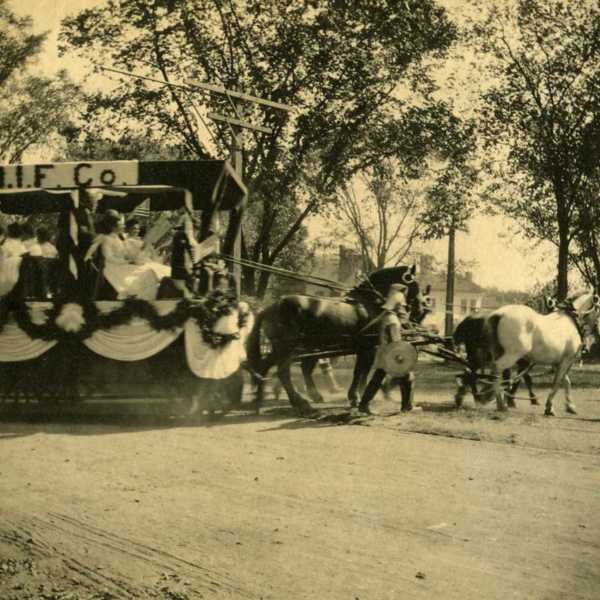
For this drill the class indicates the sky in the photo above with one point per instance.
(502, 257)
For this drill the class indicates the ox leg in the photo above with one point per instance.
(560, 373)
(299, 402)
(308, 366)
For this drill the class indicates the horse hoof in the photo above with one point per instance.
(534, 402)
(549, 412)
(571, 409)
(304, 409)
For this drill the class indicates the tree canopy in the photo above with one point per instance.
(357, 73)
(541, 115)
(32, 107)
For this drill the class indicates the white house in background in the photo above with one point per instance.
(468, 296)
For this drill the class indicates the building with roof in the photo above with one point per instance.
(469, 297)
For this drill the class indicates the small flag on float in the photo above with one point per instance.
(142, 210)
(208, 246)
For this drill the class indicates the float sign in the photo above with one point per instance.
(69, 175)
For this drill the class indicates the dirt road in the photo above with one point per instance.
(274, 507)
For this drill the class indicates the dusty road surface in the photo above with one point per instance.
(435, 504)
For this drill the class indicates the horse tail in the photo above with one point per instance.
(471, 333)
(495, 348)
(460, 334)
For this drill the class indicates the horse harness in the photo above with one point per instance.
(568, 309)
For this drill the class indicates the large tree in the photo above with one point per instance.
(340, 64)
(541, 113)
(18, 45)
(32, 108)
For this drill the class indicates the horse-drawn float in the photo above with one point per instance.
(70, 329)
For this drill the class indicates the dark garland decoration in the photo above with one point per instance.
(205, 312)
(219, 304)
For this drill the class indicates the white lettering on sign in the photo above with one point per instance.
(69, 175)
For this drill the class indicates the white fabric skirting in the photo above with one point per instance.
(17, 346)
(215, 363)
(134, 341)
(137, 341)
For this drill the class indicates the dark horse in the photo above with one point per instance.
(472, 333)
(298, 325)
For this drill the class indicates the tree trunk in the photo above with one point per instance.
(263, 284)
(248, 273)
(563, 261)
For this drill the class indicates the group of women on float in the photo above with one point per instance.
(131, 266)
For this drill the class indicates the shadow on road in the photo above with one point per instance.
(104, 419)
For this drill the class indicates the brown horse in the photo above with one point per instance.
(299, 325)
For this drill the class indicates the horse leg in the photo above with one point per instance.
(570, 407)
(326, 365)
(510, 388)
(529, 383)
(362, 366)
(299, 402)
(308, 366)
(559, 374)
(461, 392)
(524, 368)
(259, 377)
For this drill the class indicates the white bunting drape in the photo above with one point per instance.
(134, 341)
(17, 346)
(137, 340)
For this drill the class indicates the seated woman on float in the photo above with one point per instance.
(129, 273)
(11, 253)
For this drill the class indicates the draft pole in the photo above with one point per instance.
(449, 322)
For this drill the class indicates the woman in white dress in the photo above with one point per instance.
(11, 253)
(123, 270)
(44, 240)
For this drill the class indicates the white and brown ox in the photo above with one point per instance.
(516, 332)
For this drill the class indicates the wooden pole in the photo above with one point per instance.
(449, 322)
(236, 215)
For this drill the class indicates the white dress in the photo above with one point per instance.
(33, 248)
(11, 253)
(141, 255)
(128, 279)
(49, 250)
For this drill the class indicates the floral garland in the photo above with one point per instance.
(220, 304)
(68, 321)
